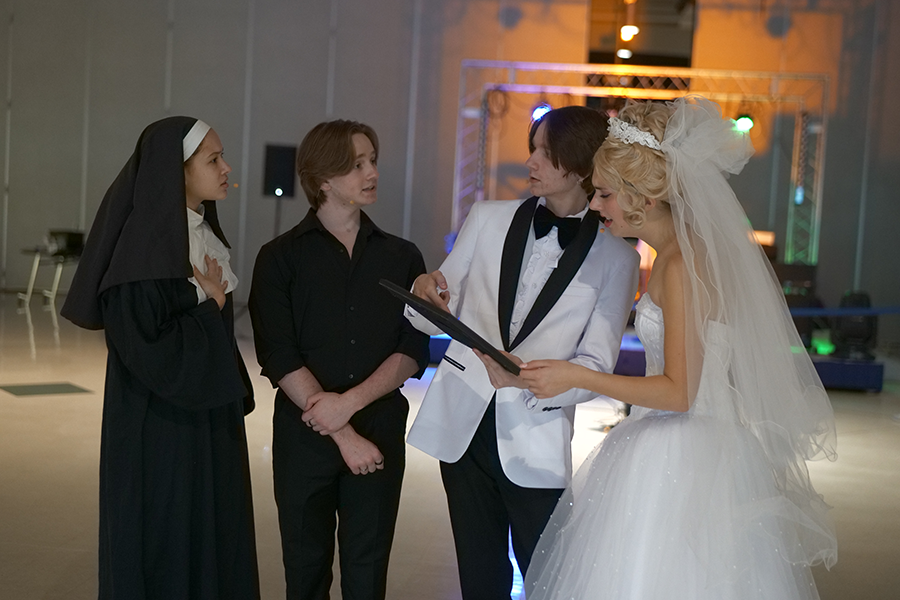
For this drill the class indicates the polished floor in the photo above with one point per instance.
(49, 448)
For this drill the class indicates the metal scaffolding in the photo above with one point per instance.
(805, 95)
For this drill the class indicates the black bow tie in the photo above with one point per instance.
(545, 220)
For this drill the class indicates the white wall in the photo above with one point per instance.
(85, 77)
(88, 75)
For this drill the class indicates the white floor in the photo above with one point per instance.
(49, 448)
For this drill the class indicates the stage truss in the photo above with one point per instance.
(806, 96)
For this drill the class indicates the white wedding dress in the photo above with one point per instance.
(674, 505)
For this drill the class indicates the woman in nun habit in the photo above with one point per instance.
(176, 516)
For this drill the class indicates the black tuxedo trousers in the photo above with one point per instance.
(485, 509)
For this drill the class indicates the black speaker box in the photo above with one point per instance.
(279, 171)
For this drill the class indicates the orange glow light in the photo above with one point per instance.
(628, 32)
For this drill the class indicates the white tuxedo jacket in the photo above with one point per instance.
(579, 316)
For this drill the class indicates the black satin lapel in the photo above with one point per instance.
(511, 264)
(569, 263)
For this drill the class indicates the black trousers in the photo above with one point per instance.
(316, 493)
(485, 507)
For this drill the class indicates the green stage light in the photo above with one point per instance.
(744, 123)
(822, 347)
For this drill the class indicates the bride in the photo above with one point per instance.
(702, 492)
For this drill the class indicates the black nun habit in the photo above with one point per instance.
(176, 516)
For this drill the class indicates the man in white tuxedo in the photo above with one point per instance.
(537, 278)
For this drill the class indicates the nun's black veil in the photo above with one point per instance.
(140, 231)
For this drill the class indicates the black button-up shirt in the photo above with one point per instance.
(314, 306)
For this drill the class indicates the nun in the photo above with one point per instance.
(176, 514)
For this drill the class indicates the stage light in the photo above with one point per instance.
(766, 241)
(628, 32)
(449, 241)
(623, 53)
(763, 238)
(279, 192)
(855, 335)
(540, 110)
(744, 123)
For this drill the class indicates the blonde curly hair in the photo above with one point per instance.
(634, 171)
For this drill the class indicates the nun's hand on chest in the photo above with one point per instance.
(212, 282)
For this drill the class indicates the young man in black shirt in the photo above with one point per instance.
(337, 347)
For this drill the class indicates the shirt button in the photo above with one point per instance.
(352, 341)
(351, 375)
(351, 309)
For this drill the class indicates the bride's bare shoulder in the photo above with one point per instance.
(667, 278)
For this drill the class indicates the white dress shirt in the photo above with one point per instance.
(545, 255)
(203, 243)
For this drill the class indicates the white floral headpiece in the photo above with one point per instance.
(630, 134)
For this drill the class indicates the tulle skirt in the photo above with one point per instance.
(673, 506)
